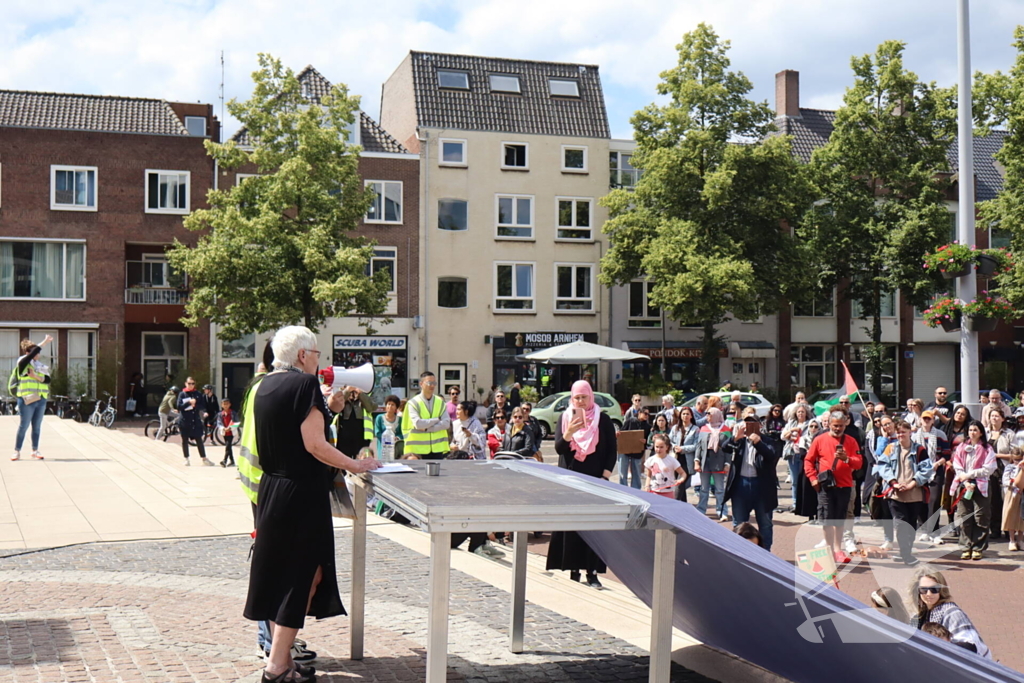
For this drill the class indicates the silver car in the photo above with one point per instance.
(756, 401)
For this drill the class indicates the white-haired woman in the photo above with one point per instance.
(293, 572)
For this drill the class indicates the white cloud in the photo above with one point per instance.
(172, 49)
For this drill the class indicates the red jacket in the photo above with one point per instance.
(822, 453)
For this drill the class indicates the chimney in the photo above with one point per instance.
(787, 93)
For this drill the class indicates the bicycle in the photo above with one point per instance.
(110, 412)
(8, 405)
(153, 428)
(73, 411)
(97, 413)
(57, 405)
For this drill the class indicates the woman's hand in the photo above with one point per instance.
(677, 449)
(364, 465)
(962, 476)
(575, 424)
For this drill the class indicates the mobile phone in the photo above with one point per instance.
(751, 427)
(580, 414)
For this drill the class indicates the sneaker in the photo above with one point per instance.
(887, 545)
(821, 544)
(842, 558)
(912, 562)
(482, 552)
(924, 538)
(301, 654)
(850, 546)
(16, 456)
(492, 551)
(187, 463)
(965, 555)
(937, 540)
(976, 555)
(1012, 546)
(206, 461)
(37, 455)
(593, 582)
(223, 463)
(724, 518)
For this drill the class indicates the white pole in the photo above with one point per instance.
(967, 284)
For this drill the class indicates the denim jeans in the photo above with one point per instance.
(629, 465)
(263, 638)
(705, 492)
(30, 413)
(747, 499)
(795, 464)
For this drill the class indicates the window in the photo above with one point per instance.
(515, 155)
(42, 270)
(622, 172)
(998, 238)
(573, 219)
(515, 216)
(563, 87)
(452, 292)
(10, 351)
(196, 125)
(453, 152)
(513, 287)
(386, 259)
(167, 191)
(73, 188)
(387, 201)
(239, 177)
(452, 214)
(574, 159)
(453, 79)
(81, 362)
(812, 367)
(888, 306)
(574, 287)
(819, 304)
(243, 347)
(641, 312)
(163, 353)
(504, 83)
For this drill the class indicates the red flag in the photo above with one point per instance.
(849, 386)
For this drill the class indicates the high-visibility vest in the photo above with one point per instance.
(417, 441)
(249, 472)
(26, 385)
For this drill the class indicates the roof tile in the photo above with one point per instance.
(101, 113)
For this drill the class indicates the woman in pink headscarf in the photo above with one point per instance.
(712, 461)
(585, 443)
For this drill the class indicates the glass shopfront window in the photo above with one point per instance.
(389, 356)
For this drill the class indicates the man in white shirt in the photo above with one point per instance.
(753, 485)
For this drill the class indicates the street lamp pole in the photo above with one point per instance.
(967, 285)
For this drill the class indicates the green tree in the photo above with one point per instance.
(878, 179)
(704, 222)
(277, 248)
(999, 102)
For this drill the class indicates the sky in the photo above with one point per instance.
(172, 49)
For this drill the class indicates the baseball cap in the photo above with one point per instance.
(928, 413)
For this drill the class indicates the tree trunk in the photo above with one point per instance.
(708, 377)
(875, 356)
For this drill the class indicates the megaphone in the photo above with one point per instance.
(361, 378)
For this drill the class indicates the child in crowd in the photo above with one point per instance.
(226, 418)
(663, 471)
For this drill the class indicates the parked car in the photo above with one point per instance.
(757, 401)
(888, 383)
(954, 398)
(548, 410)
(856, 406)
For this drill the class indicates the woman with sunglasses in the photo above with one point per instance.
(496, 435)
(974, 461)
(519, 438)
(190, 424)
(935, 605)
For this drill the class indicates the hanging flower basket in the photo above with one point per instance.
(994, 261)
(946, 312)
(951, 324)
(951, 260)
(980, 323)
(987, 265)
(984, 313)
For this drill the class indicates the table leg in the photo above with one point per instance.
(515, 643)
(662, 605)
(437, 617)
(357, 609)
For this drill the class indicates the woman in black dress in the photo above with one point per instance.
(586, 444)
(190, 422)
(293, 572)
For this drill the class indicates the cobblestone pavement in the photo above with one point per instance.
(171, 611)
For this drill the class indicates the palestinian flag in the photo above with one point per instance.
(849, 390)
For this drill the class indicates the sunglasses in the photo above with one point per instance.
(940, 393)
(934, 590)
(499, 417)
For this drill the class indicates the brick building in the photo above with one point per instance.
(94, 188)
(393, 225)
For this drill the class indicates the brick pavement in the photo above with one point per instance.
(171, 611)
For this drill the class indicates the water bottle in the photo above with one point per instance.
(387, 445)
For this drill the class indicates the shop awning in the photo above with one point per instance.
(751, 349)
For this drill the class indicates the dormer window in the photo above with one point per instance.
(453, 79)
(504, 83)
(563, 87)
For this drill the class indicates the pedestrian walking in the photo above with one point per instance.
(226, 419)
(190, 424)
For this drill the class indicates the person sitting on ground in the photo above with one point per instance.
(887, 601)
(935, 605)
(749, 532)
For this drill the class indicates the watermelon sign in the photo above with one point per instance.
(818, 562)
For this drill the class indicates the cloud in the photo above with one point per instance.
(172, 50)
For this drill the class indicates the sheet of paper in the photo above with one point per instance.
(392, 468)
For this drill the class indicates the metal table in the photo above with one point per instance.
(481, 496)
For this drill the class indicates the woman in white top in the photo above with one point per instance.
(467, 432)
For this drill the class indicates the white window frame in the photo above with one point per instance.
(90, 361)
(533, 288)
(239, 177)
(586, 159)
(526, 166)
(815, 315)
(440, 152)
(559, 226)
(453, 87)
(206, 126)
(188, 191)
(491, 88)
(183, 358)
(394, 265)
(54, 206)
(452, 278)
(64, 266)
(590, 299)
(383, 196)
(634, 321)
(552, 79)
(515, 211)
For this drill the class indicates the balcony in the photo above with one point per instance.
(154, 291)
(155, 295)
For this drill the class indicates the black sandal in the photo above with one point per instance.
(283, 677)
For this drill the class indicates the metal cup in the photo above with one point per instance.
(433, 469)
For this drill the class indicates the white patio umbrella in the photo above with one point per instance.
(580, 353)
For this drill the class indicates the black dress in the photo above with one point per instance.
(294, 531)
(568, 551)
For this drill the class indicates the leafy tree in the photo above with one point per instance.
(704, 220)
(277, 249)
(882, 193)
(999, 101)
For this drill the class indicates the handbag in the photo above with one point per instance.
(827, 479)
(129, 405)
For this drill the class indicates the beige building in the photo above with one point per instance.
(513, 160)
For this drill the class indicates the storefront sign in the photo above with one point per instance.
(544, 340)
(371, 343)
(694, 353)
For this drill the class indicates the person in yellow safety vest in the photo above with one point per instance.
(353, 425)
(30, 383)
(425, 422)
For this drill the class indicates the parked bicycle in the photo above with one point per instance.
(73, 411)
(104, 413)
(8, 405)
